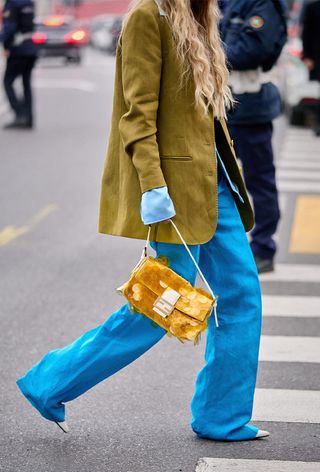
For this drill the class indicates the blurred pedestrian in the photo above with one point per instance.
(171, 95)
(311, 48)
(254, 33)
(20, 53)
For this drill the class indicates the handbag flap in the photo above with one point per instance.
(157, 277)
(178, 324)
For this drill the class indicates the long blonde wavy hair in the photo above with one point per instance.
(194, 25)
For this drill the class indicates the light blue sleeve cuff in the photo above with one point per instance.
(156, 206)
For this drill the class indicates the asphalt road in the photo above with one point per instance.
(58, 279)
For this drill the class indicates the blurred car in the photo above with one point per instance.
(301, 95)
(116, 32)
(105, 32)
(59, 36)
(100, 32)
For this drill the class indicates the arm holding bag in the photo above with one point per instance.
(168, 299)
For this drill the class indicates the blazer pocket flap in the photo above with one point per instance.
(176, 158)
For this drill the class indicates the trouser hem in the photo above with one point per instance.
(58, 418)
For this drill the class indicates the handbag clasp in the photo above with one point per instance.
(165, 304)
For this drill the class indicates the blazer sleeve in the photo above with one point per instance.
(141, 76)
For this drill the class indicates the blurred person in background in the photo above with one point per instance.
(170, 156)
(20, 53)
(311, 48)
(254, 33)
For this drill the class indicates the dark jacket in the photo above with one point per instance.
(254, 33)
(311, 36)
(18, 25)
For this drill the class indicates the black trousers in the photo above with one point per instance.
(20, 66)
(253, 145)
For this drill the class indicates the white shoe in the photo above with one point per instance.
(262, 434)
(64, 426)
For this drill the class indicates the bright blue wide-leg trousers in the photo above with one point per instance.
(223, 399)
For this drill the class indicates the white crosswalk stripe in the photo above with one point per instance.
(280, 305)
(290, 406)
(296, 186)
(246, 465)
(290, 349)
(296, 155)
(299, 163)
(299, 174)
(293, 273)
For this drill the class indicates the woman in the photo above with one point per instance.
(170, 100)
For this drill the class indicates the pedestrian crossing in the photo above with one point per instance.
(299, 162)
(298, 178)
(288, 394)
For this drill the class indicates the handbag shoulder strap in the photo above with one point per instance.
(145, 253)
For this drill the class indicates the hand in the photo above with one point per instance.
(309, 63)
(166, 222)
(6, 53)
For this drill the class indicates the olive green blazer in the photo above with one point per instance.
(160, 137)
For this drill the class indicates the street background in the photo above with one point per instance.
(58, 279)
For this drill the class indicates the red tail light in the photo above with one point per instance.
(39, 37)
(76, 37)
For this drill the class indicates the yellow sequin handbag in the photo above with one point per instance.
(168, 299)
